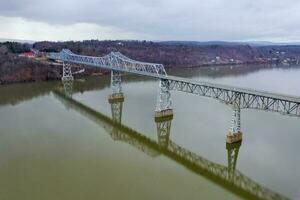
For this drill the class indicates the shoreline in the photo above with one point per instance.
(91, 74)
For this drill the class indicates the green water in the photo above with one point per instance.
(51, 148)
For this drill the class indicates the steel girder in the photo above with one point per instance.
(113, 61)
(251, 101)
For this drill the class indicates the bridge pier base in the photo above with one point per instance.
(234, 137)
(115, 98)
(164, 103)
(235, 134)
(163, 114)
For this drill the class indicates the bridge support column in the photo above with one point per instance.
(235, 134)
(164, 103)
(67, 72)
(116, 87)
(232, 155)
(163, 130)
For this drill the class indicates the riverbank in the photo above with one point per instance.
(19, 63)
(15, 69)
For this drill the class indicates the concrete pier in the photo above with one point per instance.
(117, 97)
(163, 115)
(234, 137)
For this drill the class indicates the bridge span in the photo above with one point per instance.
(238, 98)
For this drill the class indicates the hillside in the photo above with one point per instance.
(14, 68)
(180, 54)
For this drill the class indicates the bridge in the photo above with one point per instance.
(237, 98)
(228, 177)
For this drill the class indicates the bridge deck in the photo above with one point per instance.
(262, 93)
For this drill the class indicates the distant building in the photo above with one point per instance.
(120, 44)
(29, 54)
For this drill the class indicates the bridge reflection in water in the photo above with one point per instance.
(225, 176)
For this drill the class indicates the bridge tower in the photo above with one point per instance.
(163, 125)
(164, 102)
(235, 134)
(67, 72)
(115, 84)
(232, 155)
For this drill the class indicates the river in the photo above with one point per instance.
(52, 148)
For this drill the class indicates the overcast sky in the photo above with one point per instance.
(201, 20)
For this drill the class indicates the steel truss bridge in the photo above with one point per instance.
(238, 98)
(225, 176)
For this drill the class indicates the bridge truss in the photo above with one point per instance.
(117, 62)
(244, 98)
(113, 61)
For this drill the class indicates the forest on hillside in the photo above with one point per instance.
(14, 68)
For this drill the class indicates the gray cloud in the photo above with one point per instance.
(170, 19)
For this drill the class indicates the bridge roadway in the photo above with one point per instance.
(232, 180)
(247, 98)
(244, 97)
(234, 89)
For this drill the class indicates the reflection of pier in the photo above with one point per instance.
(68, 86)
(163, 125)
(116, 131)
(227, 177)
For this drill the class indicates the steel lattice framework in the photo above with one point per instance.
(248, 98)
(164, 101)
(114, 61)
(67, 72)
(115, 82)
